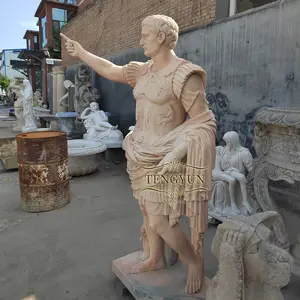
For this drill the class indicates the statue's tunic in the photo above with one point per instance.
(161, 112)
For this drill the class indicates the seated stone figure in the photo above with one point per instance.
(250, 267)
(98, 127)
(233, 162)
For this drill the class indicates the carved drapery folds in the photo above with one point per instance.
(277, 144)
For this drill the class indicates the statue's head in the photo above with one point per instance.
(158, 32)
(94, 106)
(262, 261)
(232, 139)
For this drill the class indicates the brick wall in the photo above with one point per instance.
(107, 27)
(82, 4)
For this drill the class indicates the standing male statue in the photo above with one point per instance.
(166, 89)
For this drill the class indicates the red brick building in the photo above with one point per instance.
(107, 27)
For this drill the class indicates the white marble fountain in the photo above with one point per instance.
(84, 156)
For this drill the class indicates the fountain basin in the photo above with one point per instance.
(66, 122)
(84, 156)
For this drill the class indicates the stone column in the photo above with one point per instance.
(54, 87)
(58, 88)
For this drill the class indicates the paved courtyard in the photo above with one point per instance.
(67, 254)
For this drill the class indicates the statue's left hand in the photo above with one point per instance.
(176, 155)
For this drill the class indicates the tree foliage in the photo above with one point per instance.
(4, 82)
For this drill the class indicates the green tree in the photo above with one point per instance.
(4, 82)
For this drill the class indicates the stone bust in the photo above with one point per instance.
(167, 89)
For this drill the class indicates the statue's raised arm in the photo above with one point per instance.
(100, 65)
(83, 115)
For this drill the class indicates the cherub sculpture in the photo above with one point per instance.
(167, 89)
(250, 267)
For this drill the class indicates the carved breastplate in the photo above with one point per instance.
(158, 111)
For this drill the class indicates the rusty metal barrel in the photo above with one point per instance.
(43, 170)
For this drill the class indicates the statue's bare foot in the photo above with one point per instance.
(195, 279)
(148, 266)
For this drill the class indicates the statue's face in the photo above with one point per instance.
(227, 141)
(150, 41)
(94, 107)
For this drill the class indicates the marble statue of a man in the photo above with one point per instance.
(98, 127)
(166, 89)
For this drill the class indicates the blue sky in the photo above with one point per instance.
(15, 18)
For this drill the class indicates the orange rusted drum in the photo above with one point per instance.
(43, 170)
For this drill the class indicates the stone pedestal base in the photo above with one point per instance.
(164, 284)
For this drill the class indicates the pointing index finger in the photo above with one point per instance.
(65, 37)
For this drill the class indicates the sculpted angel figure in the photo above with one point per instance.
(167, 89)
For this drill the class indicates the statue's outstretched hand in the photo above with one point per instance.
(74, 49)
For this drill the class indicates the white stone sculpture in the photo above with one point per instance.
(99, 129)
(16, 86)
(84, 156)
(250, 266)
(277, 145)
(233, 164)
(67, 85)
(27, 93)
(38, 99)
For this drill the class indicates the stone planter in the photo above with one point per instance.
(66, 122)
(84, 156)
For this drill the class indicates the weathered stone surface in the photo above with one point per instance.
(164, 284)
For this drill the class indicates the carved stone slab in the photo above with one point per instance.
(164, 284)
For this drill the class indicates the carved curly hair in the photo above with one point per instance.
(165, 24)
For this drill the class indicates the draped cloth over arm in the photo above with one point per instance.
(199, 132)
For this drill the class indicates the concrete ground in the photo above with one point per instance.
(67, 254)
